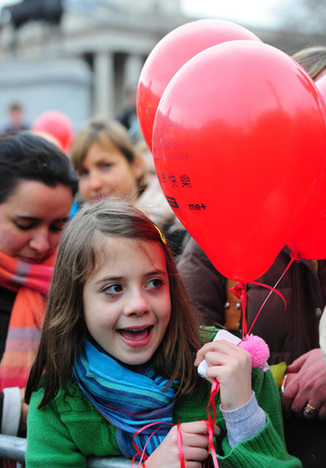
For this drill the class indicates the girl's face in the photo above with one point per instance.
(106, 171)
(127, 303)
(32, 219)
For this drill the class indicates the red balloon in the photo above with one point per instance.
(321, 85)
(58, 125)
(168, 56)
(239, 145)
(309, 241)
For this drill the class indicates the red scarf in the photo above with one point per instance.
(32, 283)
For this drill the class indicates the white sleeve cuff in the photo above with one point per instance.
(11, 411)
(245, 422)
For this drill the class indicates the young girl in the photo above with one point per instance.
(119, 349)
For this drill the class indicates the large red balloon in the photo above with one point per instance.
(309, 239)
(168, 56)
(58, 125)
(239, 145)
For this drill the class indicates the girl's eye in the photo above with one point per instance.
(112, 289)
(155, 283)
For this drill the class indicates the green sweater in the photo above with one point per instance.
(69, 429)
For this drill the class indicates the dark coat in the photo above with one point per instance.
(289, 333)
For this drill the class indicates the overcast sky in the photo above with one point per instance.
(250, 12)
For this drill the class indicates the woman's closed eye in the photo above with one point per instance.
(58, 225)
(25, 225)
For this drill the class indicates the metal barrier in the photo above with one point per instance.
(14, 448)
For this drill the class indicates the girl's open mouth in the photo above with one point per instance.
(136, 336)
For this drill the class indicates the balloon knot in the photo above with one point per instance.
(238, 290)
(295, 257)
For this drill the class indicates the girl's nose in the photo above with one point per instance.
(136, 304)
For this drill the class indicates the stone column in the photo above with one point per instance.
(133, 67)
(104, 83)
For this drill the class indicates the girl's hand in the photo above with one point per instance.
(194, 444)
(231, 366)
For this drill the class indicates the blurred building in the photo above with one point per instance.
(86, 63)
(85, 60)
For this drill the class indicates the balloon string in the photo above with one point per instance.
(211, 418)
(180, 447)
(142, 453)
(244, 312)
(240, 292)
(294, 258)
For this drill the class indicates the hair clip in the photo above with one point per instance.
(161, 234)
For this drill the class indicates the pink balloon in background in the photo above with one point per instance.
(58, 125)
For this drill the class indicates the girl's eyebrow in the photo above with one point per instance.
(157, 272)
(107, 279)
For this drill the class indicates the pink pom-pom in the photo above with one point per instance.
(258, 349)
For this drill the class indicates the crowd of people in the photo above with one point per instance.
(109, 306)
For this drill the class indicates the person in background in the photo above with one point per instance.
(119, 350)
(129, 118)
(292, 334)
(154, 204)
(322, 336)
(109, 166)
(313, 60)
(16, 121)
(37, 186)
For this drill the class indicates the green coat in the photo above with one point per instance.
(69, 429)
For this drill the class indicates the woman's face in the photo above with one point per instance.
(32, 219)
(106, 171)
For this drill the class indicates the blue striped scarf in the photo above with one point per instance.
(127, 399)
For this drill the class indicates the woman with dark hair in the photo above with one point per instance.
(37, 187)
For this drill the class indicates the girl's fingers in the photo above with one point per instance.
(221, 347)
(195, 440)
(196, 427)
(194, 454)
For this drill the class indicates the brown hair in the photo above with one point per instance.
(64, 327)
(105, 131)
(312, 59)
